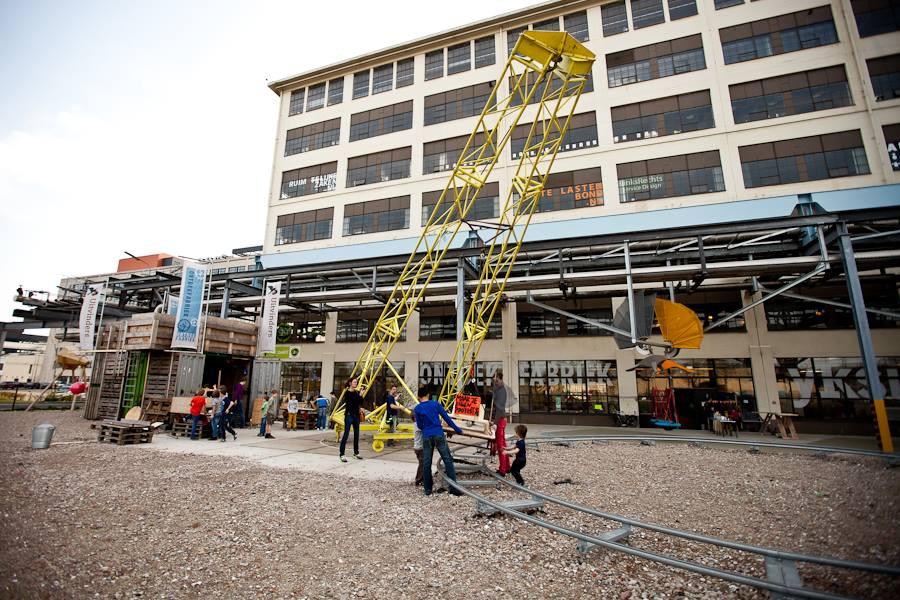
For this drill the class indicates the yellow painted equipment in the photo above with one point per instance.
(546, 68)
(679, 325)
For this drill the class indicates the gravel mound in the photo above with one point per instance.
(89, 520)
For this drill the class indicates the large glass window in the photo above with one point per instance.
(833, 388)
(664, 59)
(645, 13)
(459, 58)
(778, 35)
(335, 91)
(532, 322)
(571, 189)
(301, 378)
(484, 52)
(792, 94)
(316, 99)
(310, 331)
(547, 25)
(486, 206)
(439, 323)
(582, 133)
(804, 159)
(790, 314)
(304, 226)
(432, 374)
(720, 4)
(434, 64)
(378, 167)
(874, 17)
(377, 215)
(679, 9)
(661, 117)
(312, 137)
(383, 78)
(457, 104)
(405, 72)
(381, 383)
(885, 75)
(443, 155)
(615, 18)
(568, 387)
(361, 84)
(296, 105)
(512, 36)
(576, 25)
(381, 121)
(539, 89)
(309, 180)
(672, 176)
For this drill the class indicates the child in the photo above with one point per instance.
(519, 451)
(417, 447)
(293, 408)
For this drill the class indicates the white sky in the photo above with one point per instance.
(148, 127)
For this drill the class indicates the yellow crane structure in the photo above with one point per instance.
(546, 68)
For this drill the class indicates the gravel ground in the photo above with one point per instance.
(89, 520)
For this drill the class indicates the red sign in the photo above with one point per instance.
(467, 405)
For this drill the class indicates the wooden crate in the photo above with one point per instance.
(125, 432)
(154, 331)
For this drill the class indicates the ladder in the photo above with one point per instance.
(548, 68)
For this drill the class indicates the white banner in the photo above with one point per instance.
(93, 296)
(190, 305)
(268, 327)
(172, 309)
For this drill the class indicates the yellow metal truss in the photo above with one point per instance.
(552, 66)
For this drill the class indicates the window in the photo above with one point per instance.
(512, 36)
(532, 322)
(645, 13)
(885, 75)
(778, 35)
(664, 59)
(384, 376)
(442, 155)
(484, 52)
(804, 159)
(312, 137)
(357, 327)
(309, 180)
(304, 226)
(547, 25)
(381, 121)
(439, 323)
(335, 91)
(486, 205)
(378, 167)
(296, 106)
(792, 94)
(303, 378)
(568, 386)
(361, 84)
(316, 99)
(874, 17)
(459, 58)
(788, 314)
(665, 116)
(577, 26)
(383, 79)
(720, 4)
(297, 332)
(457, 104)
(679, 9)
(571, 189)
(615, 18)
(405, 72)
(433, 373)
(375, 216)
(582, 133)
(725, 383)
(434, 64)
(554, 82)
(672, 176)
(239, 269)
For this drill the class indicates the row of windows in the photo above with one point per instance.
(382, 78)
(791, 94)
(381, 121)
(662, 117)
(304, 226)
(874, 17)
(644, 13)
(459, 57)
(778, 35)
(314, 96)
(312, 137)
(576, 24)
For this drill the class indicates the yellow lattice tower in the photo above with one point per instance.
(552, 66)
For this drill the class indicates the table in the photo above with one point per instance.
(784, 422)
(724, 426)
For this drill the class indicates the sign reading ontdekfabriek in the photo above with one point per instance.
(190, 305)
(268, 328)
(93, 296)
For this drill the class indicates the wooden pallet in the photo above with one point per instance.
(125, 432)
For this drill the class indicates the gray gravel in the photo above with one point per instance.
(83, 520)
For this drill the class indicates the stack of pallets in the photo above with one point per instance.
(125, 432)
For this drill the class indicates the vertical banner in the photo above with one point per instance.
(93, 296)
(172, 309)
(190, 305)
(268, 328)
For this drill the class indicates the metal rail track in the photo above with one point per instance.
(783, 579)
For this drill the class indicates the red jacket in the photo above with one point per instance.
(197, 405)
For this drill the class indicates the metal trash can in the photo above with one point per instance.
(41, 436)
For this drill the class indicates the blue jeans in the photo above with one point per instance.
(350, 421)
(195, 421)
(322, 419)
(262, 426)
(429, 444)
(215, 426)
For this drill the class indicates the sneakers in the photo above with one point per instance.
(235, 436)
(357, 457)
(269, 436)
(343, 459)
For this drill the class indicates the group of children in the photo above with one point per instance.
(320, 405)
(222, 409)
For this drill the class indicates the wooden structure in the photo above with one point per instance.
(125, 432)
(783, 422)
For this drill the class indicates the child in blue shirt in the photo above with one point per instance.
(519, 451)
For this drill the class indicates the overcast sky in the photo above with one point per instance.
(147, 126)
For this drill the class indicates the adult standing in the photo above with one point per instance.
(272, 413)
(352, 406)
(227, 407)
(428, 415)
(216, 416)
(238, 396)
(498, 417)
(198, 403)
(322, 412)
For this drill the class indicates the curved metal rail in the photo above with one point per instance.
(672, 561)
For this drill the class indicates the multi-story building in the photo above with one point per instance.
(692, 103)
